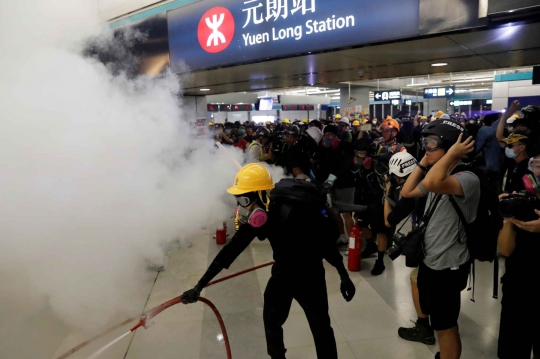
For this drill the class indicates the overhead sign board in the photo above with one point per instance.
(437, 92)
(461, 103)
(408, 102)
(213, 33)
(387, 95)
(298, 107)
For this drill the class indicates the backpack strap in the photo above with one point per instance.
(459, 213)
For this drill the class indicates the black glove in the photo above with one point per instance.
(191, 296)
(347, 289)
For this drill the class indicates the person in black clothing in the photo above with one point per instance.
(293, 158)
(367, 191)
(249, 137)
(516, 148)
(519, 241)
(301, 237)
(335, 172)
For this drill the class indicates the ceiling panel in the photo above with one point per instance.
(505, 38)
(409, 51)
(516, 58)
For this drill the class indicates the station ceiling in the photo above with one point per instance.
(512, 45)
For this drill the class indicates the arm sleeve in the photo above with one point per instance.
(403, 208)
(330, 252)
(229, 253)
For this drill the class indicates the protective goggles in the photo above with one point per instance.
(431, 144)
(244, 201)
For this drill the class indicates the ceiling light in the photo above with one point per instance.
(204, 90)
(439, 64)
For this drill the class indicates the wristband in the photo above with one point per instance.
(422, 167)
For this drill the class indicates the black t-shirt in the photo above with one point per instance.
(338, 162)
(514, 181)
(300, 238)
(523, 268)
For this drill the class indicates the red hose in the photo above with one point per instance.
(156, 310)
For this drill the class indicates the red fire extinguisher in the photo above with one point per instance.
(355, 248)
(221, 234)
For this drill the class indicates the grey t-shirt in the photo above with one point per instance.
(445, 238)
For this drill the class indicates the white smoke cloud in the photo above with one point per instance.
(97, 171)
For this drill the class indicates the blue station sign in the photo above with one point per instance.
(215, 33)
(437, 92)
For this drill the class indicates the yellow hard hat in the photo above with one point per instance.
(251, 178)
(286, 121)
(356, 123)
(305, 120)
(364, 121)
(338, 116)
(439, 114)
(268, 123)
(210, 124)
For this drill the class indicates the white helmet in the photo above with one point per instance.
(402, 164)
(345, 120)
(315, 133)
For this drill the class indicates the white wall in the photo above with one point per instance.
(436, 104)
(503, 90)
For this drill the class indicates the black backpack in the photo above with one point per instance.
(482, 234)
(296, 192)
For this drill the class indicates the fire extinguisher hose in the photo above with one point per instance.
(148, 315)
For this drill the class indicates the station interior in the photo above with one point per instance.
(97, 232)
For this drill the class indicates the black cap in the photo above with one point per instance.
(330, 129)
(293, 131)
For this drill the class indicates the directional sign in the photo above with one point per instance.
(387, 95)
(461, 103)
(408, 102)
(437, 92)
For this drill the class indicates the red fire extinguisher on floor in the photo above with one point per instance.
(221, 234)
(355, 247)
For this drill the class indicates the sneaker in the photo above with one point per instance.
(378, 268)
(438, 355)
(370, 250)
(418, 333)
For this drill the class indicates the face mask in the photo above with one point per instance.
(242, 132)
(510, 129)
(472, 122)
(374, 123)
(510, 153)
(227, 132)
(255, 218)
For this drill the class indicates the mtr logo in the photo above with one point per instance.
(216, 30)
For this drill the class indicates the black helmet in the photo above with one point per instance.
(262, 131)
(447, 130)
(362, 144)
(293, 130)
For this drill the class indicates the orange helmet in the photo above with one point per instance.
(390, 123)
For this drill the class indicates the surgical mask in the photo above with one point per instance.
(510, 128)
(242, 132)
(227, 132)
(374, 123)
(509, 152)
(327, 142)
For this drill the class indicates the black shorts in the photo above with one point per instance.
(378, 225)
(440, 294)
(519, 331)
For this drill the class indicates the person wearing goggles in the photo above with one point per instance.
(444, 269)
(300, 237)
(516, 146)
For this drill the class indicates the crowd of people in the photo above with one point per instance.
(418, 168)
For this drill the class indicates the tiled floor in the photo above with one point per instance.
(364, 328)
